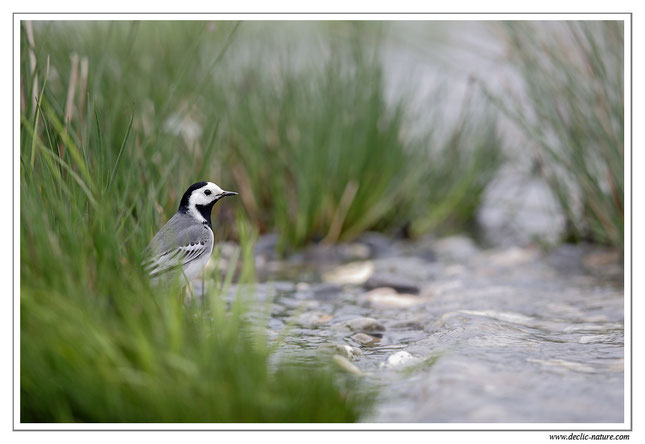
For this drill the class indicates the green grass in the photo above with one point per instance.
(572, 74)
(97, 342)
(318, 153)
(310, 142)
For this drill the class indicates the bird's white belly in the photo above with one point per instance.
(192, 269)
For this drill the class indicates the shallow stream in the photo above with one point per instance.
(454, 333)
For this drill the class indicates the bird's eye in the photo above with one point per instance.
(207, 192)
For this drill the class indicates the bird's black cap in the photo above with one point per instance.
(184, 199)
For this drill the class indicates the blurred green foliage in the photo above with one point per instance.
(306, 135)
(97, 342)
(572, 74)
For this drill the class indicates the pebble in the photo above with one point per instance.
(313, 318)
(303, 286)
(354, 273)
(346, 365)
(600, 339)
(607, 263)
(408, 324)
(366, 325)
(456, 248)
(386, 297)
(412, 268)
(326, 292)
(394, 281)
(600, 259)
(439, 288)
(365, 339)
(400, 358)
(345, 350)
(354, 251)
(275, 324)
(294, 303)
(379, 244)
(510, 257)
(283, 286)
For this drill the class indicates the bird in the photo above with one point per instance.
(186, 240)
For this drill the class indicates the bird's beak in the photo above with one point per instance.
(229, 193)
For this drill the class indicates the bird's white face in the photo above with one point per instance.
(205, 195)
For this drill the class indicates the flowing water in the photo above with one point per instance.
(453, 333)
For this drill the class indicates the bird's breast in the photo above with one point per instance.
(192, 269)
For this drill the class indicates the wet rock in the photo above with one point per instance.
(347, 366)
(412, 268)
(326, 292)
(299, 304)
(607, 263)
(344, 350)
(427, 255)
(277, 309)
(567, 259)
(601, 258)
(423, 247)
(303, 295)
(601, 339)
(400, 358)
(386, 297)
(396, 282)
(355, 273)
(365, 339)
(313, 319)
(509, 257)
(275, 324)
(379, 244)
(455, 270)
(411, 324)
(421, 350)
(340, 327)
(456, 248)
(354, 252)
(440, 288)
(366, 325)
(321, 253)
(303, 286)
(283, 286)
(504, 316)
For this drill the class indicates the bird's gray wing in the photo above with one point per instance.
(178, 243)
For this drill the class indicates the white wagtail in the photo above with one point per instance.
(187, 239)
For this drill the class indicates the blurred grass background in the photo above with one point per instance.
(572, 75)
(118, 118)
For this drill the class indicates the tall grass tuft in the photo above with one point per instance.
(572, 75)
(321, 154)
(316, 149)
(98, 343)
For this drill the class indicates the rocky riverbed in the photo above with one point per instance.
(454, 333)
